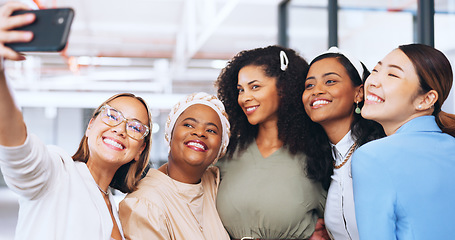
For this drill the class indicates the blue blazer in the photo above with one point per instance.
(404, 186)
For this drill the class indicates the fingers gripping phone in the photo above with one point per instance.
(50, 30)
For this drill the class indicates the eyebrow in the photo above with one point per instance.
(396, 66)
(331, 73)
(392, 66)
(249, 83)
(121, 113)
(194, 120)
(324, 75)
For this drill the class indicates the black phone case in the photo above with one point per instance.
(50, 30)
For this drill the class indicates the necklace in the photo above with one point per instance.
(351, 150)
(195, 218)
(104, 192)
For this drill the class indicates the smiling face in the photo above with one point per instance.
(196, 138)
(330, 96)
(111, 144)
(258, 95)
(392, 92)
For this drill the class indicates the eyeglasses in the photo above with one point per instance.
(113, 117)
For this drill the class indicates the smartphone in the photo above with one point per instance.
(50, 30)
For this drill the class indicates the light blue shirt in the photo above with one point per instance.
(404, 185)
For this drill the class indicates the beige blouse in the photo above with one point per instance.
(163, 208)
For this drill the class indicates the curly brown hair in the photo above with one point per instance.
(289, 84)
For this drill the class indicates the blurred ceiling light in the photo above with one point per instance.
(84, 60)
(219, 64)
(104, 61)
(155, 128)
(50, 112)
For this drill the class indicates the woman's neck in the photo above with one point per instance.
(190, 176)
(267, 139)
(337, 130)
(102, 175)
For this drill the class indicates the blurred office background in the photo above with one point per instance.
(164, 49)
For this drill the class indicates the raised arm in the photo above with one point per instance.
(12, 126)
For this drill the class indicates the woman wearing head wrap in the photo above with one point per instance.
(265, 192)
(177, 201)
(403, 183)
(333, 98)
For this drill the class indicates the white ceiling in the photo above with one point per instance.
(147, 46)
(160, 49)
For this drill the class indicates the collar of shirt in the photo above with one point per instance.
(340, 150)
(420, 124)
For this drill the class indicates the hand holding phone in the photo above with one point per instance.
(50, 30)
(8, 22)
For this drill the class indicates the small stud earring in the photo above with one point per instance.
(419, 107)
(357, 109)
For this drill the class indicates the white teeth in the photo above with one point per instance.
(113, 143)
(320, 102)
(374, 99)
(195, 144)
(251, 108)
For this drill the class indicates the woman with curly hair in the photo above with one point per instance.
(333, 98)
(265, 192)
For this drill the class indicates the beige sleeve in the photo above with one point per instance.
(141, 219)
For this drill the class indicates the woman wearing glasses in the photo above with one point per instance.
(64, 197)
(177, 201)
